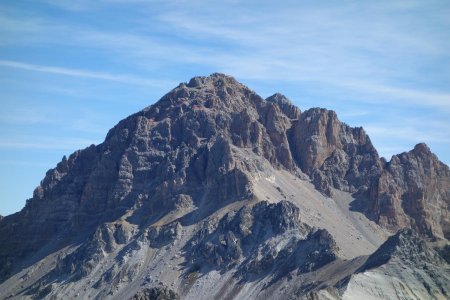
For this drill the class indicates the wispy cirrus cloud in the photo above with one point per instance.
(45, 143)
(28, 164)
(24, 116)
(333, 52)
(409, 134)
(82, 73)
(386, 93)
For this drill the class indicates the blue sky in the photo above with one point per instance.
(70, 70)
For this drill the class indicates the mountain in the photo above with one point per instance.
(215, 192)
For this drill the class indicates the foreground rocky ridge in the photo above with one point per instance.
(404, 267)
(185, 191)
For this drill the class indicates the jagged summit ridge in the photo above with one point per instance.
(194, 184)
(216, 91)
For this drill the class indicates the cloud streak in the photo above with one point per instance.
(129, 79)
(46, 143)
(410, 134)
(257, 48)
(25, 163)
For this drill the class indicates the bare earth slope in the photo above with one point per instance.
(214, 192)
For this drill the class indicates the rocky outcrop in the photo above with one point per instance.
(444, 251)
(405, 245)
(413, 191)
(260, 239)
(107, 238)
(222, 243)
(156, 293)
(333, 154)
(285, 105)
(300, 255)
(404, 267)
(159, 236)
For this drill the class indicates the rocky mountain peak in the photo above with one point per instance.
(286, 106)
(215, 79)
(422, 148)
(413, 191)
(215, 92)
(333, 154)
(212, 177)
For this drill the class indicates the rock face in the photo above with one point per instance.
(404, 267)
(413, 191)
(333, 154)
(174, 199)
(407, 246)
(155, 293)
(259, 239)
